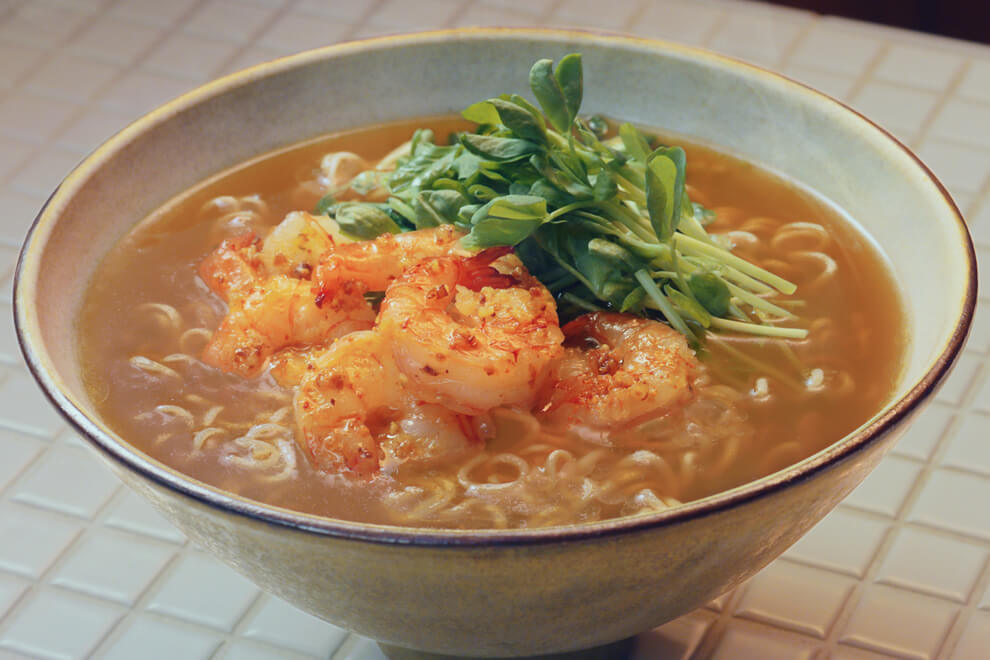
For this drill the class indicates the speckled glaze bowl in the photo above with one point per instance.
(504, 593)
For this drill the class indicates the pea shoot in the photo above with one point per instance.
(604, 223)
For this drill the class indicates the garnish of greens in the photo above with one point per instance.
(603, 223)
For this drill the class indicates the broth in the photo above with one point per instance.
(761, 404)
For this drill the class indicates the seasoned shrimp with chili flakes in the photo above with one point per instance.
(293, 247)
(355, 413)
(269, 293)
(282, 312)
(303, 285)
(379, 262)
(472, 333)
(617, 369)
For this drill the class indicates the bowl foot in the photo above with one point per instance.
(621, 650)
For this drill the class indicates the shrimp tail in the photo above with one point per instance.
(478, 272)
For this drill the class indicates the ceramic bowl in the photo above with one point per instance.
(504, 593)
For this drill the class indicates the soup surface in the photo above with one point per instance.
(757, 404)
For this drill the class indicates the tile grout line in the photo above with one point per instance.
(945, 96)
(19, 86)
(959, 625)
(44, 580)
(635, 17)
(251, 41)
(896, 525)
(135, 64)
(962, 610)
(965, 613)
(50, 143)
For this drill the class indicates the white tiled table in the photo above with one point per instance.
(88, 570)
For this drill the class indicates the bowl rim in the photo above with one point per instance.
(133, 460)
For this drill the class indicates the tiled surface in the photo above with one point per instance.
(87, 569)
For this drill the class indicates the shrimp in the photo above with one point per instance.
(232, 267)
(378, 262)
(281, 312)
(628, 369)
(298, 243)
(293, 247)
(270, 298)
(469, 336)
(354, 412)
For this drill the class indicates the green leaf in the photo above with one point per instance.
(548, 93)
(482, 193)
(505, 220)
(498, 148)
(444, 183)
(520, 121)
(323, 206)
(679, 158)
(555, 197)
(465, 214)
(688, 306)
(664, 189)
(570, 78)
(482, 112)
(437, 207)
(427, 163)
(616, 291)
(605, 187)
(618, 255)
(664, 305)
(704, 216)
(560, 178)
(523, 102)
(658, 204)
(517, 207)
(710, 291)
(596, 270)
(403, 209)
(364, 221)
(634, 301)
(466, 164)
(422, 138)
(634, 142)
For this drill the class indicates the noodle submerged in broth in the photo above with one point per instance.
(223, 364)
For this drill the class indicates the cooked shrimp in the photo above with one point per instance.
(469, 336)
(354, 412)
(281, 312)
(271, 303)
(232, 267)
(628, 369)
(293, 247)
(378, 262)
(298, 243)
